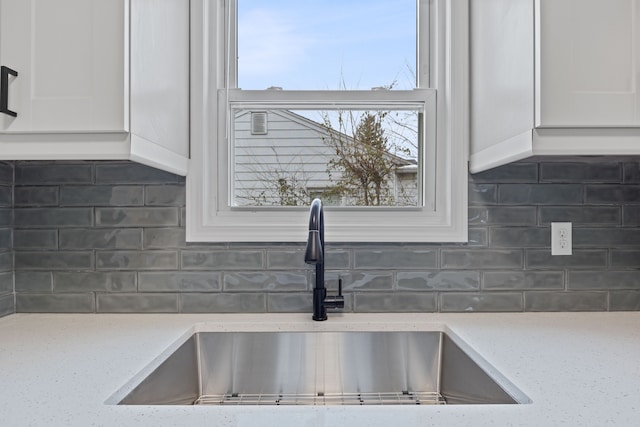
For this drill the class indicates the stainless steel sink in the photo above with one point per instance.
(321, 368)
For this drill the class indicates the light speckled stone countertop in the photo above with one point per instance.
(579, 369)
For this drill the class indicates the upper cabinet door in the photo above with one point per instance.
(70, 56)
(588, 60)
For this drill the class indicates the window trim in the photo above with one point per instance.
(210, 219)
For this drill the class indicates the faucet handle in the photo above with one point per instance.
(335, 301)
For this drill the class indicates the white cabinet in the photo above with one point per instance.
(589, 63)
(96, 79)
(70, 61)
(554, 77)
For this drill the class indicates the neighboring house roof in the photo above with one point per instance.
(322, 129)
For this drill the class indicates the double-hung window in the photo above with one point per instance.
(361, 103)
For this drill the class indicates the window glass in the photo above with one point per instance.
(326, 44)
(352, 157)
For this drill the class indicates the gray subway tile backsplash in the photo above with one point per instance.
(521, 172)
(477, 237)
(438, 280)
(338, 259)
(222, 259)
(541, 259)
(179, 281)
(625, 258)
(580, 280)
(520, 237)
(35, 239)
(6, 261)
(6, 173)
(290, 259)
(137, 303)
(7, 305)
(522, 280)
(109, 237)
(481, 258)
(94, 281)
(631, 216)
(540, 194)
(6, 237)
(6, 217)
(55, 303)
(53, 217)
(137, 260)
(6, 196)
(272, 281)
(361, 280)
(223, 303)
(102, 195)
(395, 258)
(483, 193)
(48, 173)
(163, 238)
(294, 259)
(606, 237)
(7, 287)
(100, 238)
(631, 172)
(581, 172)
(502, 215)
(36, 196)
(132, 173)
(53, 260)
(33, 281)
(581, 215)
(418, 302)
(291, 303)
(481, 302)
(566, 301)
(624, 301)
(164, 195)
(6, 282)
(612, 194)
(137, 217)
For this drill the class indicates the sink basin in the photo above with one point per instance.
(320, 368)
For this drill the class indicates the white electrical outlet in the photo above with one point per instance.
(561, 238)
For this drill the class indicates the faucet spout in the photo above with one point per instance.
(314, 255)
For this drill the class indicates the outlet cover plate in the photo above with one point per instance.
(561, 242)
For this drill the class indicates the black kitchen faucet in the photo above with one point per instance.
(314, 254)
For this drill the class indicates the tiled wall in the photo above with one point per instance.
(109, 237)
(6, 247)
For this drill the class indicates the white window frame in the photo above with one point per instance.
(443, 88)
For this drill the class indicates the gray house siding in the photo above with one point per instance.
(292, 149)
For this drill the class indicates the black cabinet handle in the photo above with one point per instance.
(4, 90)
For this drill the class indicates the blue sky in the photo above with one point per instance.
(314, 44)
